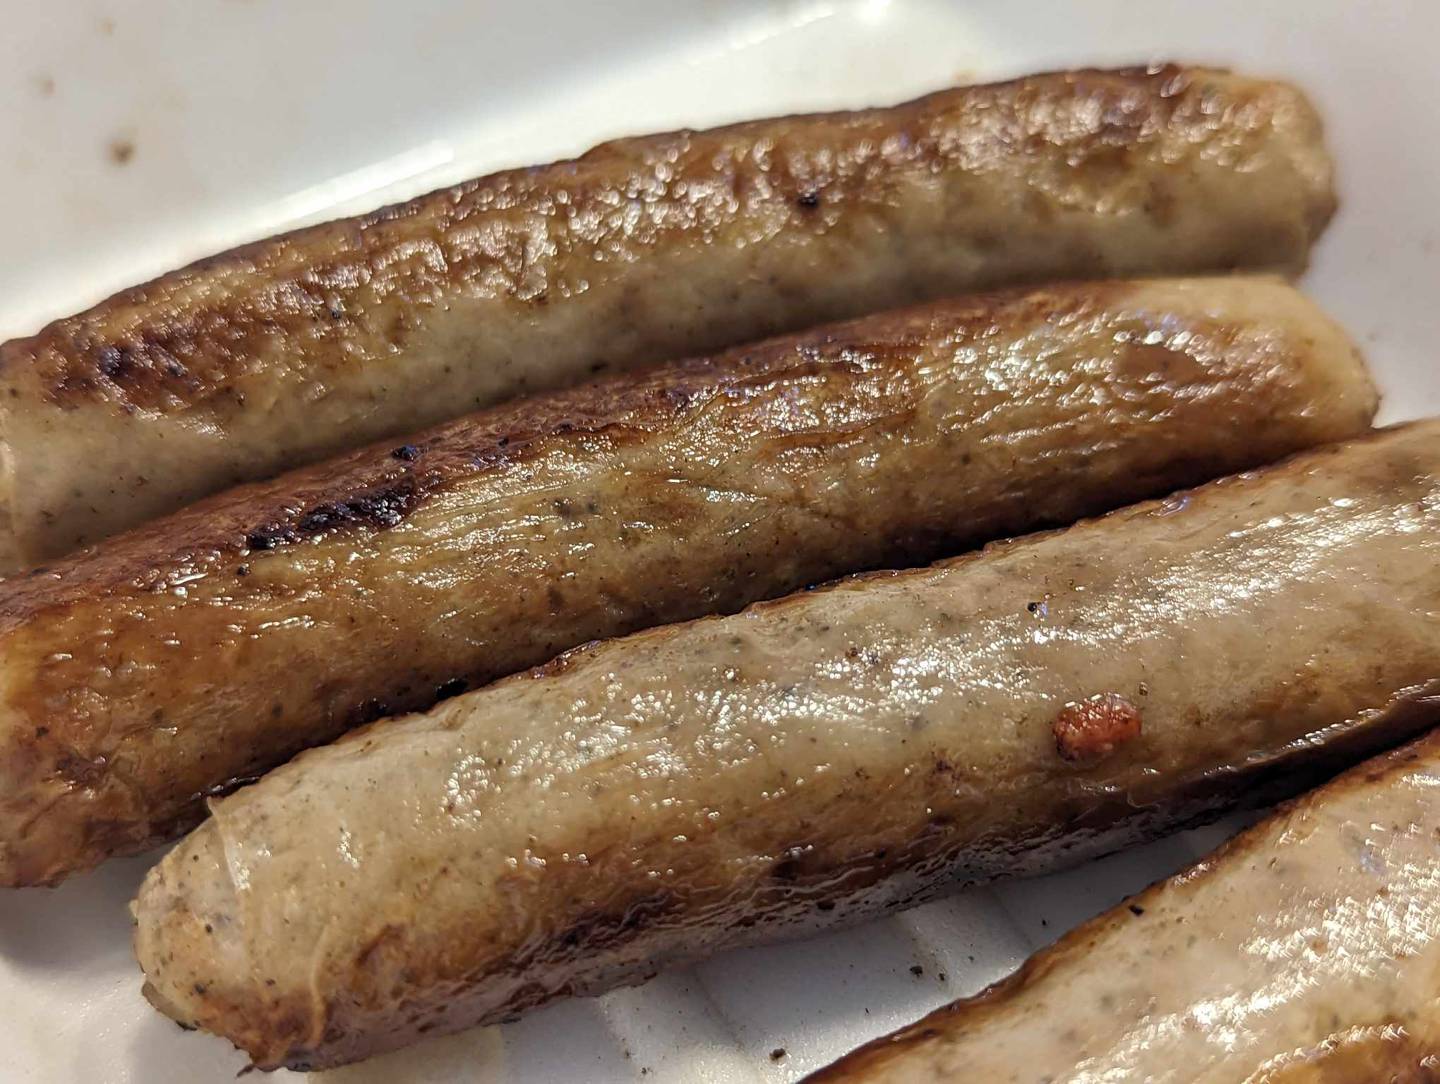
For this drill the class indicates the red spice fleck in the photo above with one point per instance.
(1091, 729)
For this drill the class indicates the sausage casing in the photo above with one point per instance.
(811, 761)
(213, 644)
(286, 351)
(1306, 950)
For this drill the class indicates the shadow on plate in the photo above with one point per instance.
(476, 1057)
(83, 921)
(163, 1053)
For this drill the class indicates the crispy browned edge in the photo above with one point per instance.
(81, 351)
(378, 486)
(971, 1012)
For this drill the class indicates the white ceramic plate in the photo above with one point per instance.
(138, 134)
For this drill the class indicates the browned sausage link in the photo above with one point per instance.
(1306, 950)
(811, 761)
(286, 351)
(214, 644)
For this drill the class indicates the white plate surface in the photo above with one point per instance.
(138, 134)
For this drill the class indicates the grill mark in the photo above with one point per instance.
(376, 509)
